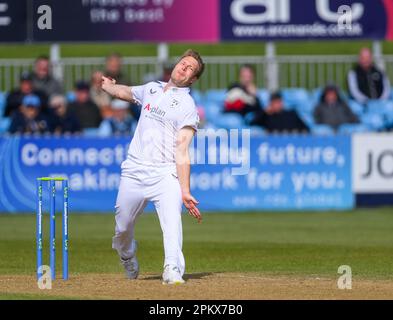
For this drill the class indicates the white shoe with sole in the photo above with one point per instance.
(172, 275)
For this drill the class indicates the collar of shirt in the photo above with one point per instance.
(174, 89)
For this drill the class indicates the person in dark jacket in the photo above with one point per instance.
(332, 110)
(276, 119)
(29, 119)
(84, 108)
(43, 79)
(242, 96)
(113, 68)
(64, 120)
(15, 97)
(366, 81)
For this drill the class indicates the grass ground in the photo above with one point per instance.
(222, 49)
(269, 245)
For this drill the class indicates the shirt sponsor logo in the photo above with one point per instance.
(154, 110)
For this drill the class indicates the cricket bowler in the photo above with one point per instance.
(157, 167)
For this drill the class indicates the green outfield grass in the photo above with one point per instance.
(310, 244)
(222, 49)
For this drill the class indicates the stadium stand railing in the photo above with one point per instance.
(308, 72)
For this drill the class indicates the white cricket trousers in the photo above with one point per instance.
(138, 185)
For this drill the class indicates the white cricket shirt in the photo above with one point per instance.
(163, 114)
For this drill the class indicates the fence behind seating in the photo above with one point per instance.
(293, 71)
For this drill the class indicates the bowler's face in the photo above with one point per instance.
(184, 72)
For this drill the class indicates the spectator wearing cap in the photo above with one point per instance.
(276, 119)
(366, 81)
(29, 119)
(84, 108)
(121, 122)
(64, 121)
(43, 79)
(332, 109)
(15, 97)
(99, 96)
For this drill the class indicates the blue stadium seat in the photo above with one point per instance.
(305, 106)
(315, 96)
(349, 128)
(209, 125)
(216, 96)
(4, 124)
(377, 106)
(90, 132)
(264, 96)
(198, 96)
(229, 121)
(356, 107)
(307, 117)
(388, 108)
(374, 120)
(212, 111)
(322, 130)
(257, 131)
(294, 96)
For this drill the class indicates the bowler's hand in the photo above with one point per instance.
(106, 82)
(190, 203)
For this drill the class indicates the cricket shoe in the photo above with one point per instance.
(172, 275)
(131, 266)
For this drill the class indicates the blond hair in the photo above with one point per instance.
(197, 57)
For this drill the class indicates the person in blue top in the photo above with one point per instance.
(29, 118)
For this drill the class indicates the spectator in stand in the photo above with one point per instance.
(366, 81)
(276, 119)
(15, 97)
(242, 96)
(29, 119)
(86, 111)
(121, 122)
(332, 110)
(113, 69)
(99, 96)
(43, 79)
(65, 121)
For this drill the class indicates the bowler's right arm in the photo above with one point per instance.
(116, 90)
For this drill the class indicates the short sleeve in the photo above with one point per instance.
(138, 93)
(191, 119)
